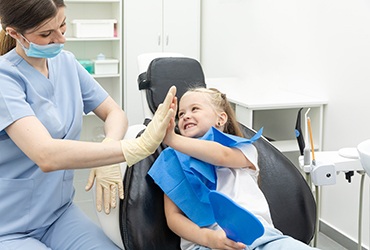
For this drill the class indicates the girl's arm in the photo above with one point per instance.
(208, 151)
(185, 228)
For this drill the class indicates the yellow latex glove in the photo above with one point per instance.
(107, 179)
(137, 149)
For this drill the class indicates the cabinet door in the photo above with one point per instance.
(152, 26)
(142, 34)
(181, 27)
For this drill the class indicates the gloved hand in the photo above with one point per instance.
(139, 148)
(107, 179)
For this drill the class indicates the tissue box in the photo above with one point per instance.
(106, 66)
(89, 28)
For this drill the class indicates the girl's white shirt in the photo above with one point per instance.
(241, 185)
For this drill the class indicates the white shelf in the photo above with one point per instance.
(106, 76)
(92, 1)
(286, 145)
(89, 48)
(97, 39)
(260, 98)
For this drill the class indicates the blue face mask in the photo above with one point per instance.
(42, 51)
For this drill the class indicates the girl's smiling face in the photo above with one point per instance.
(196, 114)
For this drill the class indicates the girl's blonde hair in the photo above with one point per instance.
(221, 104)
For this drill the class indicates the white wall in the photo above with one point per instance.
(322, 46)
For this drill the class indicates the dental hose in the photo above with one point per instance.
(317, 194)
(359, 245)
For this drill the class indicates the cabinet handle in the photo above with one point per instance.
(159, 39)
(167, 40)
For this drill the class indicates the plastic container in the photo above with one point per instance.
(89, 28)
(88, 65)
(106, 66)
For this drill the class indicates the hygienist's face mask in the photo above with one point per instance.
(42, 51)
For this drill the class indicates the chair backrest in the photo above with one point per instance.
(143, 61)
(163, 72)
(292, 205)
(110, 223)
(142, 220)
(143, 223)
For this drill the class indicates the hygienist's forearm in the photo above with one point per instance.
(67, 154)
(115, 119)
(115, 126)
(54, 154)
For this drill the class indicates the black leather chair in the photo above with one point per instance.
(292, 205)
(141, 217)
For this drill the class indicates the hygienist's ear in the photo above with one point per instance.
(13, 33)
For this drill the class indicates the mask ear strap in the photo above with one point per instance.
(25, 38)
(15, 35)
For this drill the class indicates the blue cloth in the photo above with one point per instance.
(188, 181)
(31, 199)
(239, 224)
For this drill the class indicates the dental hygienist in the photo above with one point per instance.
(43, 93)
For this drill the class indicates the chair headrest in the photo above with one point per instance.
(164, 72)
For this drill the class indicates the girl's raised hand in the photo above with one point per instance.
(171, 126)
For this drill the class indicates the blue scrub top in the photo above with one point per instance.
(30, 198)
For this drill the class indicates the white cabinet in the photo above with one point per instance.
(152, 26)
(276, 111)
(88, 48)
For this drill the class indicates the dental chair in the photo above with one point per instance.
(140, 221)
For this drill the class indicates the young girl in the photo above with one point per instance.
(236, 168)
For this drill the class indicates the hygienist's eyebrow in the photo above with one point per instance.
(52, 30)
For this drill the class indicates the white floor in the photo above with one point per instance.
(85, 201)
(325, 243)
(82, 198)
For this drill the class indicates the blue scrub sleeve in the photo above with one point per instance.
(13, 104)
(93, 94)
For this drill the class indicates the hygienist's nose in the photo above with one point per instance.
(59, 37)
